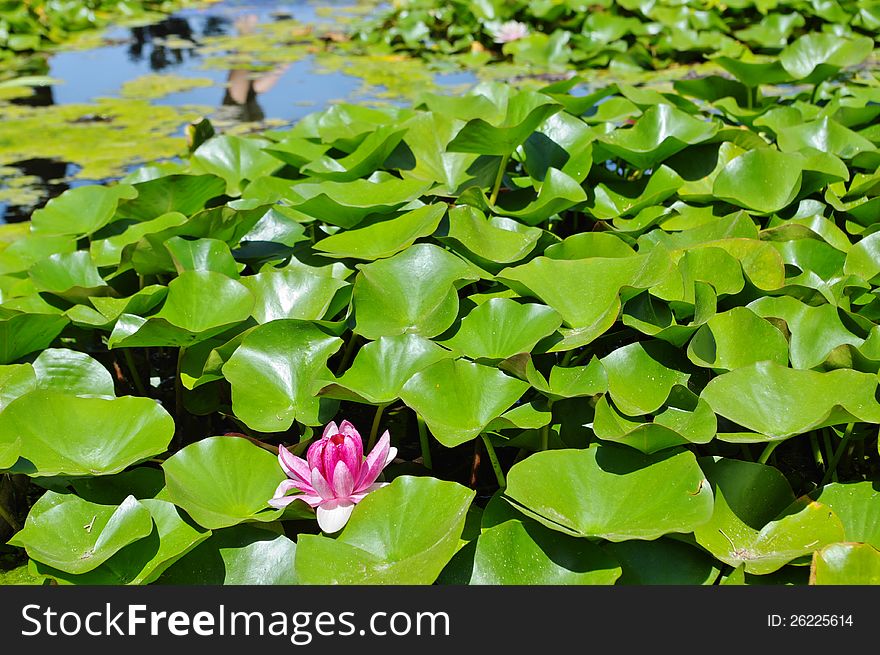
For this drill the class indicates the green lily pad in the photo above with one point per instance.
(276, 373)
(69, 371)
(370, 154)
(71, 276)
(22, 334)
(247, 554)
(815, 331)
(412, 292)
(202, 255)
(780, 402)
(732, 537)
(186, 194)
(234, 159)
(659, 133)
(200, 304)
(516, 550)
(585, 292)
(857, 505)
(382, 367)
(663, 562)
(737, 338)
(763, 180)
(15, 381)
(846, 564)
(63, 434)
(524, 112)
(82, 210)
(298, 292)
(386, 238)
(557, 192)
(612, 492)
(637, 382)
(223, 481)
(496, 240)
(144, 560)
(826, 135)
(634, 197)
(458, 399)
(686, 419)
(816, 56)
(501, 328)
(348, 203)
(76, 536)
(404, 533)
(863, 259)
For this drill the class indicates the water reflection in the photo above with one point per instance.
(243, 86)
(160, 57)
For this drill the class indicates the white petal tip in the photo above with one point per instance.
(333, 519)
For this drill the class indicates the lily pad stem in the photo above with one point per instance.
(829, 451)
(835, 460)
(501, 168)
(545, 430)
(178, 385)
(423, 441)
(374, 429)
(493, 458)
(132, 370)
(768, 450)
(346, 355)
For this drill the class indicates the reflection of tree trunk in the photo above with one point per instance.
(159, 56)
(45, 169)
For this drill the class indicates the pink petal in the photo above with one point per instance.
(333, 515)
(343, 480)
(330, 430)
(392, 453)
(375, 461)
(320, 485)
(283, 488)
(281, 503)
(315, 455)
(347, 429)
(350, 451)
(293, 465)
(281, 499)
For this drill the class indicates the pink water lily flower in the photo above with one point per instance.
(335, 476)
(510, 31)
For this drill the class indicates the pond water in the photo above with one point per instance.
(126, 98)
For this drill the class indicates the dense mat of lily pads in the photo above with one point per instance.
(39, 24)
(615, 334)
(622, 34)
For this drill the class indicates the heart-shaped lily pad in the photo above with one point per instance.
(612, 492)
(780, 402)
(275, 374)
(382, 367)
(76, 536)
(404, 533)
(62, 434)
(458, 399)
(846, 564)
(501, 328)
(412, 292)
(223, 481)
